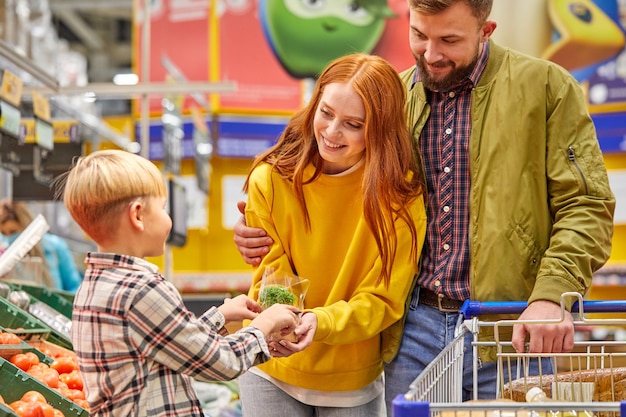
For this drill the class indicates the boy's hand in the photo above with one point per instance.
(278, 318)
(239, 308)
(305, 332)
(252, 243)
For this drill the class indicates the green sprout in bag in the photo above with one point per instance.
(283, 288)
(273, 294)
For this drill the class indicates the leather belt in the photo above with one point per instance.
(441, 303)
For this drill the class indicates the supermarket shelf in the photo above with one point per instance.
(110, 90)
(90, 121)
(25, 68)
(36, 79)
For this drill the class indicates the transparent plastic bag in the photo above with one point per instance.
(281, 287)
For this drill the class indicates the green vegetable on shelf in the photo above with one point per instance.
(273, 294)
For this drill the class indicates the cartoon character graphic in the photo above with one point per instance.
(587, 34)
(305, 35)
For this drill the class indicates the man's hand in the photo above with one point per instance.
(546, 337)
(251, 242)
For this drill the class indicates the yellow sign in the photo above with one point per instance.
(11, 88)
(28, 130)
(41, 106)
(65, 131)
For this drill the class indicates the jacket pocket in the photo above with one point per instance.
(576, 165)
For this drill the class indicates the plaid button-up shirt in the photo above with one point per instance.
(138, 346)
(444, 146)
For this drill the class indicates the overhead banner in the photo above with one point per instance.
(179, 44)
(274, 49)
(271, 49)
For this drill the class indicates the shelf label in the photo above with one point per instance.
(10, 118)
(64, 131)
(44, 134)
(11, 88)
(41, 106)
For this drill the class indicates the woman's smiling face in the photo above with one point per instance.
(339, 126)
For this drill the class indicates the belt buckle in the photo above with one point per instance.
(442, 308)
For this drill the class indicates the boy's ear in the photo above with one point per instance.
(135, 215)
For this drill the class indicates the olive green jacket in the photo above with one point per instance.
(541, 210)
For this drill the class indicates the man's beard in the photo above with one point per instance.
(454, 78)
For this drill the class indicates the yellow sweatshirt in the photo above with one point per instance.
(340, 259)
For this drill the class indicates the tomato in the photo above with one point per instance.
(72, 379)
(37, 370)
(64, 364)
(21, 361)
(50, 377)
(9, 339)
(35, 373)
(47, 410)
(26, 409)
(33, 396)
(82, 403)
(34, 359)
(74, 394)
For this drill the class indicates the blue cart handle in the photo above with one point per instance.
(472, 308)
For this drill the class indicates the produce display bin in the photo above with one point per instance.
(6, 351)
(51, 349)
(14, 383)
(13, 318)
(56, 299)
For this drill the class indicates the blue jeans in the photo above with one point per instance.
(426, 333)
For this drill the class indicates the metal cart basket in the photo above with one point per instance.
(571, 383)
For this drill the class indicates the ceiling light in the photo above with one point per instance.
(125, 79)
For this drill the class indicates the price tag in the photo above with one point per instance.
(10, 118)
(41, 106)
(27, 131)
(11, 88)
(65, 131)
(44, 134)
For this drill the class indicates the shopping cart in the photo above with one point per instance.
(438, 389)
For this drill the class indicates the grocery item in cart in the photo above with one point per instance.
(537, 395)
(590, 367)
(609, 384)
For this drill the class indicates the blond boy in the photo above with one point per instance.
(138, 347)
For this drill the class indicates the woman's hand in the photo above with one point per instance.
(304, 331)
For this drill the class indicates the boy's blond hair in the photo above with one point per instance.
(103, 183)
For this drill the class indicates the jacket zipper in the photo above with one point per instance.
(572, 158)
